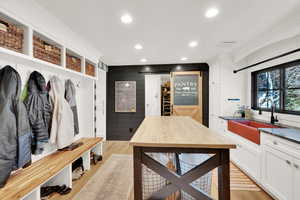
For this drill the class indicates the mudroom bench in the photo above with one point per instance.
(54, 169)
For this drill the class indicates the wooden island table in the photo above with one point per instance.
(180, 135)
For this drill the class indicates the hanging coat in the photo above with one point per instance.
(70, 96)
(62, 129)
(15, 133)
(39, 111)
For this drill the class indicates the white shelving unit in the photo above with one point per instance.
(25, 63)
(27, 55)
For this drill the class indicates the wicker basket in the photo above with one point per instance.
(73, 63)
(45, 51)
(11, 36)
(90, 69)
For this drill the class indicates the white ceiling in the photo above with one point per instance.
(165, 27)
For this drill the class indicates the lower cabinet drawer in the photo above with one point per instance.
(280, 144)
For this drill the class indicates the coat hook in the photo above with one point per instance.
(78, 84)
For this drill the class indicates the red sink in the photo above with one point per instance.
(248, 129)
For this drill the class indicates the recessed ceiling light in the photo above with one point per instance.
(138, 46)
(126, 19)
(212, 12)
(183, 58)
(193, 44)
(178, 67)
(143, 60)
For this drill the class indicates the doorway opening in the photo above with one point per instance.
(165, 95)
(158, 95)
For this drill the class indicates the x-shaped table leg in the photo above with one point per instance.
(181, 182)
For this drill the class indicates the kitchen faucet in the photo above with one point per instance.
(273, 119)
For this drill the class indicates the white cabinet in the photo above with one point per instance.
(296, 182)
(281, 167)
(248, 159)
(278, 173)
(274, 165)
(247, 156)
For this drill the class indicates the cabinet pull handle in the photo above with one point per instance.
(288, 162)
(275, 143)
(296, 166)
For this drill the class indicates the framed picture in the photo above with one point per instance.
(125, 96)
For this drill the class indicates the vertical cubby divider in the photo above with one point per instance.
(28, 41)
(34, 195)
(97, 149)
(64, 177)
(63, 57)
(86, 158)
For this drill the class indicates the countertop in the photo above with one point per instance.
(177, 131)
(232, 118)
(290, 134)
(286, 132)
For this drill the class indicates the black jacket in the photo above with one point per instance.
(15, 133)
(70, 96)
(39, 110)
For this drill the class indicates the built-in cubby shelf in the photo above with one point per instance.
(90, 68)
(64, 175)
(27, 54)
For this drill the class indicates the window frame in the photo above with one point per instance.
(282, 89)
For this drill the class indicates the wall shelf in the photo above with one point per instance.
(15, 56)
(28, 57)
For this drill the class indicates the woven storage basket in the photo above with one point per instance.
(90, 69)
(73, 63)
(11, 36)
(45, 51)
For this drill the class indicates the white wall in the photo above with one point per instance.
(101, 104)
(268, 52)
(225, 84)
(285, 28)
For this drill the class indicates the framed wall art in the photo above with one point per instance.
(125, 96)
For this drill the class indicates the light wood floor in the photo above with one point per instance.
(118, 147)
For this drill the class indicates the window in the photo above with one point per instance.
(279, 85)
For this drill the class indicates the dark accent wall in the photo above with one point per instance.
(121, 126)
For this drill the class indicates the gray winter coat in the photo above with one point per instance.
(39, 111)
(70, 96)
(15, 133)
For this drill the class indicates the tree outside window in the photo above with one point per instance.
(279, 85)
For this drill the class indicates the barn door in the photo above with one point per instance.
(186, 94)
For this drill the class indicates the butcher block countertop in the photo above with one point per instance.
(177, 131)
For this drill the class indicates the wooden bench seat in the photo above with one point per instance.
(28, 179)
